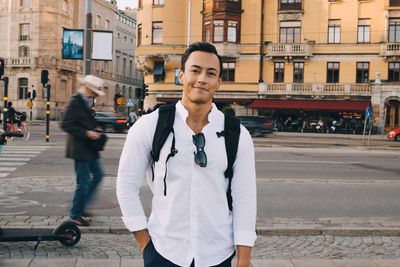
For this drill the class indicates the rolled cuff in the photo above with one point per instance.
(245, 238)
(135, 223)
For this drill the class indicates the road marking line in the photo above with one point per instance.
(21, 151)
(14, 159)
(2, 175)
(18, 155)
(325, 181)
(12, 163)
(5, 169)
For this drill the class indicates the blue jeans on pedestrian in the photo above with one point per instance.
(88, 176)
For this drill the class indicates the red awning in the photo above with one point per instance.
(328, 105)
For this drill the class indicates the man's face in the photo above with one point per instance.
(201, 78)
(90, 93)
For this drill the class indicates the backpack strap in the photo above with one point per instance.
(165, 126)
(231, 133)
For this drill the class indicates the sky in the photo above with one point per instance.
(126, 3)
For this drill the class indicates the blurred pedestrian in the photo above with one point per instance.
(80, 125)
(193, 221)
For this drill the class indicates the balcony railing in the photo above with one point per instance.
(21, 62)
(394, 3)
(390, 49)
(290, 6)
(315, 89)
(305, 50)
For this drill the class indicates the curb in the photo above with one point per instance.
(263, 231)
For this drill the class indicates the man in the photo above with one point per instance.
(190, 222)
(11, 112)
(80, 125)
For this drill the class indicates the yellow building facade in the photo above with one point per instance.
(308, 59)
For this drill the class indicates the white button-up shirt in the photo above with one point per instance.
(193, 220)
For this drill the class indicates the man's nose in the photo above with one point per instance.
(202, 77)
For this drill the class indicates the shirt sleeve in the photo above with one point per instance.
(244, 192)
(134, 161)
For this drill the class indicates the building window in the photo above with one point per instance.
(140, 4)
(290, 5)
(362, 72)
(279, 72)
(218, 31)
(22, 88)
(332, 73)
(289, 35)
(139, 35)
(207, 32)
(158, 2)
(334, 32)
(159, 72)
(25, 2)
(23, 51)
(107, 25)
(364, 31)
(157, 33)
(117, 66)
(130, 68)
(394, 30)
(98, 21)
(228, 71)
(124, 66)
(298, 72)
(24, 29)
(394, 3)
(232, 31)
(394, 72)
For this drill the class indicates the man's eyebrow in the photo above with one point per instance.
(199, 67)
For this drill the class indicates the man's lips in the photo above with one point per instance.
(201, 88)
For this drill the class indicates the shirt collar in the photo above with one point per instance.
(183, 113)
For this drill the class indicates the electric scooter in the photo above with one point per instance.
(67, 233)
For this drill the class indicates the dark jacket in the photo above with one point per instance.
(78, 118)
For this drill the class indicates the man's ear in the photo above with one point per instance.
(180, 76)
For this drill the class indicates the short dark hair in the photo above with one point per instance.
(204, 47)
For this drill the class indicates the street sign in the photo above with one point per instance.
(368, 112)
(29, 104)
(130, 102)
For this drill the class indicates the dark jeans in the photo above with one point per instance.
(88, 176)
(153, 259)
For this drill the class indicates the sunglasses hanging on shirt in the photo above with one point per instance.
(200, 157)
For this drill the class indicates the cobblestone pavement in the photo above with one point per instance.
(117, 246)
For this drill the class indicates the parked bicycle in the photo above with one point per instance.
(20, 132)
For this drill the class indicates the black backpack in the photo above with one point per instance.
(164, 127)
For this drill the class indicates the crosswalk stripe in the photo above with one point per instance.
(14, 159)
(6, 169)
(21, 152)
(2, 175)
(18, 155)
(6, 163)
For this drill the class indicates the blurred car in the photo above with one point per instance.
(394, 135)
(111, 122)
(257, 125)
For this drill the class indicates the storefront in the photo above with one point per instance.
(334, 116)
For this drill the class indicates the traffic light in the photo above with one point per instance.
(138, 92)
(145, 91)
(44, 78)
(2, 67)
(33, 94)
(28, 95)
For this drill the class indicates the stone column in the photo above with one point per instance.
(378, 104)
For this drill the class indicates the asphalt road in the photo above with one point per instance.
(296, 182)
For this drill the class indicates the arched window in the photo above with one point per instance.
(23, 88)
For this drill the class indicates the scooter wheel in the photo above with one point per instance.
(69, 234)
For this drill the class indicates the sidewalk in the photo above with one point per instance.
(292, 228)
(139, 263)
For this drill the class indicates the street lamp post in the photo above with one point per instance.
(88, 38)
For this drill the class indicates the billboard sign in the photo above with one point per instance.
(72, 44)
(102, 45)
